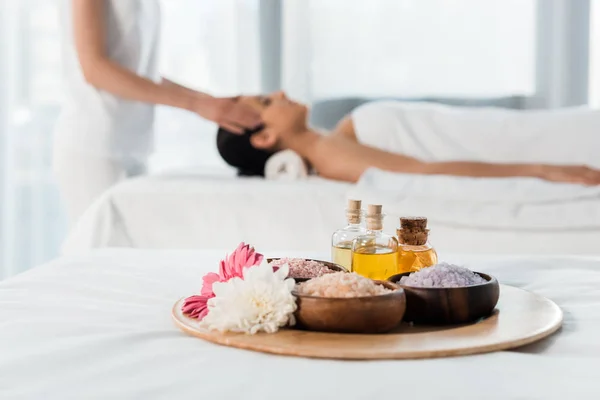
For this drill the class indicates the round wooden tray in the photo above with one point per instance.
(520, 318)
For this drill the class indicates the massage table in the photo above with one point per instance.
(198, 209)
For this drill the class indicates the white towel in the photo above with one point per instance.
(435, 132)
(286, 165)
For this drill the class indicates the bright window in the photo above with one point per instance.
(594, 92)
(458, 48)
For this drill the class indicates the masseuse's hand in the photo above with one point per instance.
(284, 116)
(570, 174)
(228, 113)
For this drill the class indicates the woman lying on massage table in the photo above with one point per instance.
(424, 138)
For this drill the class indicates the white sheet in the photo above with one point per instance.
(212, 211)
(193, 210)
(98, 327)
(501, 203)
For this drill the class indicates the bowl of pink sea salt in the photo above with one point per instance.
(447, 294)
(348, 303)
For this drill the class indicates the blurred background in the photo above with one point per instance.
(538, 54)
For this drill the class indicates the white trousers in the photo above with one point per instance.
(82, 178)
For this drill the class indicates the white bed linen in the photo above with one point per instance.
(491, 203)
(195, 210)
(99, 327)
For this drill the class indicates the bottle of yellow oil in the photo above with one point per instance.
(341, 240)
(414, 252)
(375, 254)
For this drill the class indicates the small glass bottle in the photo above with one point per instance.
(375, 254)
(415, 251)
(341, 240)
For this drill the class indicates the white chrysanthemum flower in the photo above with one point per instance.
(262, 301)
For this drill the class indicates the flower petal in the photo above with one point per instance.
(196, 306)
(208, 281)
(238, 258)
(259, 258)
(242, 254)
(223, 269)
(283, 271)
(204, 312)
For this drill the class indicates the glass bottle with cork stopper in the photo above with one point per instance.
(375, 254)
(415, 252)
(341, 240)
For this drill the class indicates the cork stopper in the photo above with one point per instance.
(413, 231)
(354, 204)
(374, 217)
(413, 223)
(353, 212)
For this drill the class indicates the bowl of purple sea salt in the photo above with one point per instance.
(447, 294)
(302, 269)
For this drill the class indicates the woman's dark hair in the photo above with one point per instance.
(237, 151)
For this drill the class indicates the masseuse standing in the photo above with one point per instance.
(104, 132)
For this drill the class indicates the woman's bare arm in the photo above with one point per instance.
(346, 160)
(343, 159)
(89, 30)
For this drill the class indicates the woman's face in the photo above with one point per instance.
(261, 102)
(265, 139)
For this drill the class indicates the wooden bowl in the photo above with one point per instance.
(372, 314)
(449, 305)
(330, 265)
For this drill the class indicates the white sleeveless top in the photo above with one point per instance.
(435, 132)
(94, 121)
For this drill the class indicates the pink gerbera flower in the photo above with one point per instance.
(232, 266)
(195, 306)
